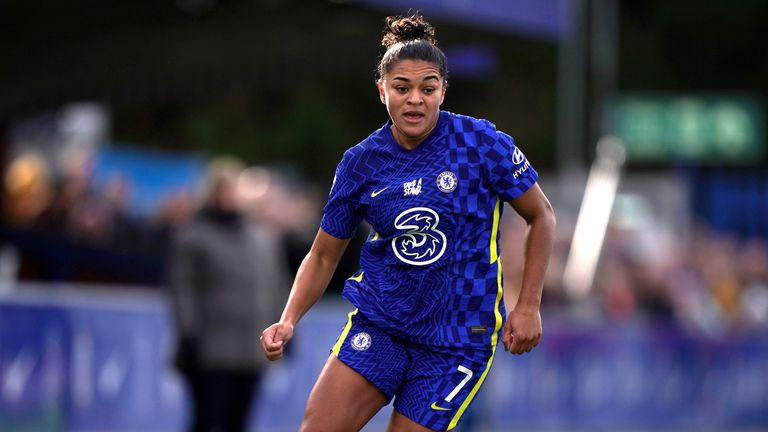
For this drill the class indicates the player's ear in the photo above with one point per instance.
(380, 85)
(445, 87)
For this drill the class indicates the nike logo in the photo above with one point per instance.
(438, 408)
(374, 193)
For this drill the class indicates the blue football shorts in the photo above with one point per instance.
(432, 386)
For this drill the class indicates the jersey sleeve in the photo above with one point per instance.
(342, 213)
(509, 171)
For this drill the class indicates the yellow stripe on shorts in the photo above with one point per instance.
(344, 333)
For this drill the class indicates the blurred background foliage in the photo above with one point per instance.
(268, 79)
(281, 80)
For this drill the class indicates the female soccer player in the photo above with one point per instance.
(428, 295)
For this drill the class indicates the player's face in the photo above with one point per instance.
(413, 91)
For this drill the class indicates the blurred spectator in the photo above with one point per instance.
(174, 211)
(753, 262)
(228, 281)
(27, 190)
(66, 212)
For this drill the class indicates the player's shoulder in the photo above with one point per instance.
(465, 123)
(479, 133)
(358, 160)
(371, 143)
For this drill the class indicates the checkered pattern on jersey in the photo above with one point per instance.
(430, 285)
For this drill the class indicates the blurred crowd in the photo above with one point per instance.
(710, 281)
(66, 227)
(67, 204)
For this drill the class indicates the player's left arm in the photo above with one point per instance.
(522, 330)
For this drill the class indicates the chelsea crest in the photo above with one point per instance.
(447, 181)
(361, 341)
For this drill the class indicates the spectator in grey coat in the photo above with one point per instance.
(228, 280)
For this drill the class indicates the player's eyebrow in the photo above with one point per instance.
(406, 79)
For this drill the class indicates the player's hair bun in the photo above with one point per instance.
(410, 38)
(404, 29)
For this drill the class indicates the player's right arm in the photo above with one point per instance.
(312, 278)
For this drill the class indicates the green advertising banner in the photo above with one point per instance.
(700, 128)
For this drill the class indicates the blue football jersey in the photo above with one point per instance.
(430, 270)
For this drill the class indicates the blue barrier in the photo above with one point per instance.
(84, 362)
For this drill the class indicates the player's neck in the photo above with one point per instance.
(409, 143)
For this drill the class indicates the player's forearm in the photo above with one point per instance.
(312, 278)
(538, 247)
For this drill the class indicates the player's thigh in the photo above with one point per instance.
(342, 400)
(401, 423)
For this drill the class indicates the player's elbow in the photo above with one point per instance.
(548, 215)
(544, 216)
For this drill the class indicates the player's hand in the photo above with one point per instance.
(522, 331)
(274, 338)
